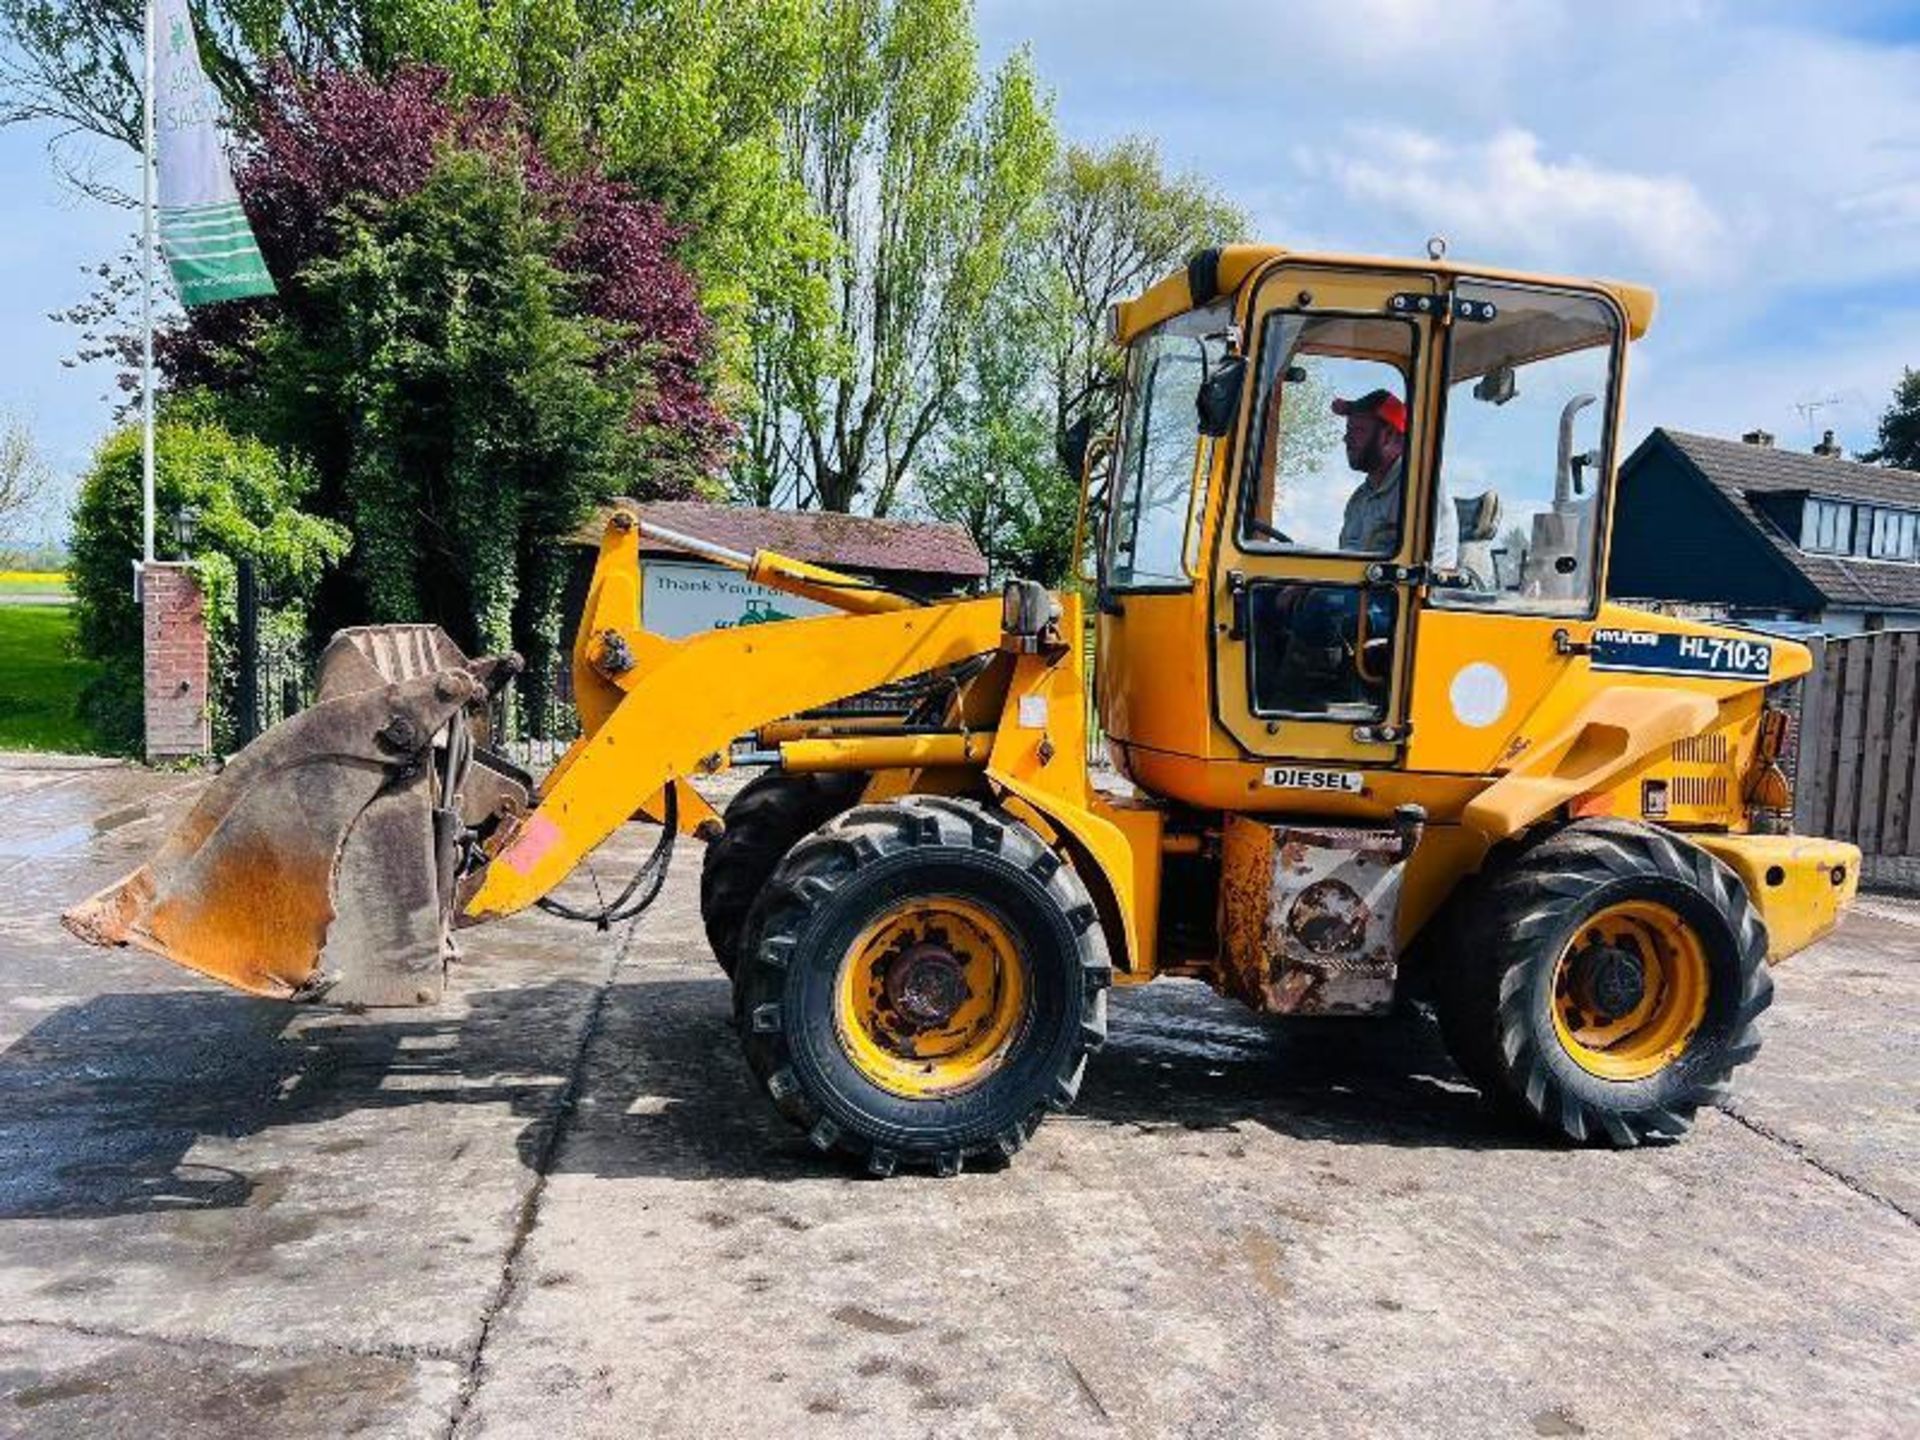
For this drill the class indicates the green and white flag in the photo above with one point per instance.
(203, 231)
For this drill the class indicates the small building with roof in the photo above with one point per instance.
(1750, 531)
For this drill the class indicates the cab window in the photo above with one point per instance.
(1162, 452)
(1321, 652)
(1327, 469)
(1528, 399)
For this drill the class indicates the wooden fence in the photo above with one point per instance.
(1857, 751)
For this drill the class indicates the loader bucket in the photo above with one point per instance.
(322, 860)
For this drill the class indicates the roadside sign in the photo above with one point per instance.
(679, 599)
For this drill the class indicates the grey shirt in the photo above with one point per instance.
(1372, 522)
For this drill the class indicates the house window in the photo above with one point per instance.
(1828, 527)
(1894, 535)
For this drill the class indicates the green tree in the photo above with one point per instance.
(1116, 223)
(249, 498)
(463, 412)
(996, 471)
(927, 180)
(683, 99)
(77, 63)
(1040, 362)
(1900, 427)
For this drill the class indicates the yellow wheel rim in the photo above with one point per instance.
(931, 997)
(1630, 990)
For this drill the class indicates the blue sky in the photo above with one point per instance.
(1757, 161)
(49, 232)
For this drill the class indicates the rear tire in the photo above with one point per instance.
(1606, 983)
(922, 982)
(771, 815)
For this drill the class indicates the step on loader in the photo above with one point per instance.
(1377, 738)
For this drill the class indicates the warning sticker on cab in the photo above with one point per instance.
(1295, 777)
(1653, 652)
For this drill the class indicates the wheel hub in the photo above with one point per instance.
(1630, 990)
(927, 984)
(1612, 978)
(931, 996)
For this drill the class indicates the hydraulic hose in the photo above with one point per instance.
(642, 890)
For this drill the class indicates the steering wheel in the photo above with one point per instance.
(1260, 527)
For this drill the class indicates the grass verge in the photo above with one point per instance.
(40, 680)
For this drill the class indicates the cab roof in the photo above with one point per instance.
(1213, 273)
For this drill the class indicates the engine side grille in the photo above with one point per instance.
(1706, 791)
(1708, 749)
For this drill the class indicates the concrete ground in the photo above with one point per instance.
(552, 1206)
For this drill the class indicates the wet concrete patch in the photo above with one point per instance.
(184, 1163)
(32, 844)
(54, 1382)
(1244, 1228)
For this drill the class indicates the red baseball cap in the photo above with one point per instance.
(1383, 404)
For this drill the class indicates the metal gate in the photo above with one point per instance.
(273, 671)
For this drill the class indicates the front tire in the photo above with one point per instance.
(922, 983)
(1606, 983)
(771, 815)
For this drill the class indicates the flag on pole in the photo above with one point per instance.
(203, 231)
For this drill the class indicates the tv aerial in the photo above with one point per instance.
(1810, 408)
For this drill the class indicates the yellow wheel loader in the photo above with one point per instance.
(1375, 734)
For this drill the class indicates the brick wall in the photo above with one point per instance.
(176, 663)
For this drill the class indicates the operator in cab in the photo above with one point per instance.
(1376, 443)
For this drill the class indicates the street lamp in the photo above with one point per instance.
(186, 524)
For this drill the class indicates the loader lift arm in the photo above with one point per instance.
(655, 711)
(662, 710)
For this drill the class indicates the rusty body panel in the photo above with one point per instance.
(1309, 914)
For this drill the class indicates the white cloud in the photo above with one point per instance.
(1894, 206)
(1501, 197)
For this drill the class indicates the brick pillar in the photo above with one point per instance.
(175, 625)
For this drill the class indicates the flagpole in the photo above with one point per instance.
(146, 296)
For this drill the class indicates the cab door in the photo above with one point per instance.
(1324, 537)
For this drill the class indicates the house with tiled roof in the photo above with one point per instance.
(1751, 531)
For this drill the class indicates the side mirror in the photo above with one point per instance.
(1071, 448)
(1219, 398)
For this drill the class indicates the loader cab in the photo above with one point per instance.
(1404, 443)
